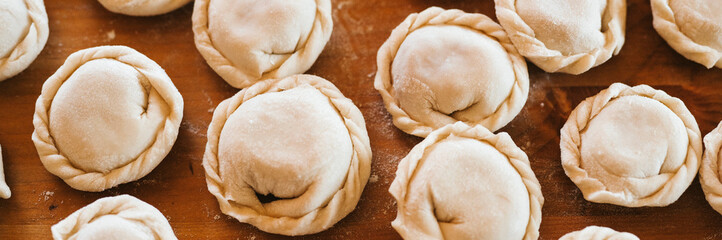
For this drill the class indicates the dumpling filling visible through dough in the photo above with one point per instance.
(291, 144)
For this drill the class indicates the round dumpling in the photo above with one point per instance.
(290, 156)
(436, 69)
(240, 43)
(709, 172)
(24, 27)
(119, 217)
(598, 233)
(569, 36)
(692, 27)
(631, 146)
(142, 7)
(464, 182)
(108, 116)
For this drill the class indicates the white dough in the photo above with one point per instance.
(297, 139)
(598, 233)
(142, 7)
(4, 189)
(466, 183)
(692, 27)
(108, 116)
(246, 41)
(114, 218)
(709, 172)
(24, 28)
(569, 36)
(443, 66)
(631, 146)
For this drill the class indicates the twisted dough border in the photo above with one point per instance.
(502, 142)
(666, 25)
(77, 178)
(300, 61)
(506, 111)
(709, 175)
(142, 7)
(593, 189)
(598, 233)
(124, 206)
(550, 60)
(342, 202)
(29, 47)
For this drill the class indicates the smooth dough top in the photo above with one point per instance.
(568, 36)
(598, 233)
(108, 116)
(631, 147)
(439, 67)
(243, 46)
(110, 218)
(710, 171)
(24, 34)
(458, 168)
(692, 27)
(296, 140)
(142, 7)
(4, 189)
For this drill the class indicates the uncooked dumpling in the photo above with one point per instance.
(142, 7)
(108, 116)
(692, 27)
(464, 182)
(24, 28)
(569, 36)
(4, 189)
(119, 217)
(709, 172)
(443, 66)
(631, 146)
(299, 142)
(246, 41)
(598, 233)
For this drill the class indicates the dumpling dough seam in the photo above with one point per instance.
(596, 191)
(77, 178)
(502, 142)
(31, 45)
(709, 174)
(300, 60)
(438, 16)
(666, 25)
(613, 19)
(341, 203)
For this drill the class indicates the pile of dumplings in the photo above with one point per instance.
(290, 154)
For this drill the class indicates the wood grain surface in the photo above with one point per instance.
(177, 186)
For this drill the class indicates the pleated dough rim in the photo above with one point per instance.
(341, 204)
(131, 8)
(598, 233)
(300, 61)
(593, 189)
(523, 36)
(124, 206)
(666, 25)
(505, 112)
(709, 176)
(31, 45)
(77, 178)
(502, 142)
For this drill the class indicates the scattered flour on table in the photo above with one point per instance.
(47, 194)
(110, 35)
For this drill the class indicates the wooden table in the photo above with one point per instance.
(177, 186)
